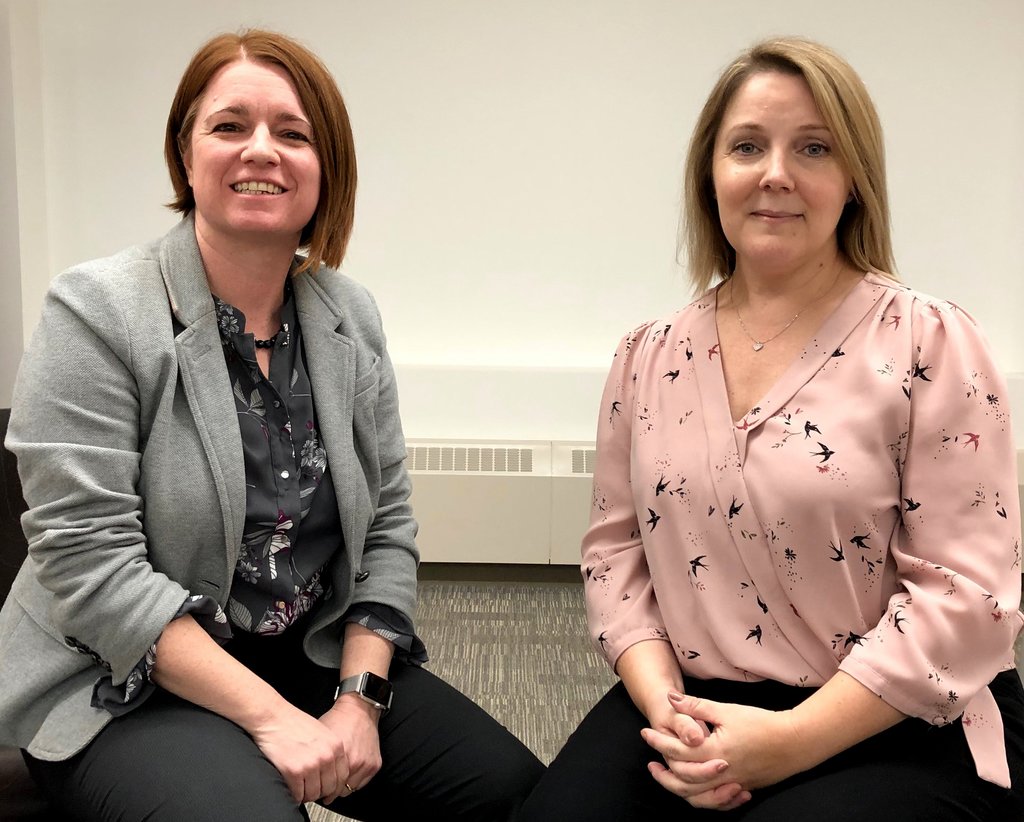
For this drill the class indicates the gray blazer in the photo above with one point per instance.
(129, 452)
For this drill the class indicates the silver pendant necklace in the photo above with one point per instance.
(757, 344)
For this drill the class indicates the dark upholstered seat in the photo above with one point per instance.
(20, 800)
(12, 541)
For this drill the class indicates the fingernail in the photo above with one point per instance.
(722, 766)
(675, 697)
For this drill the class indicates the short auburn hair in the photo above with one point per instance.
(863, 231)
(327, 233)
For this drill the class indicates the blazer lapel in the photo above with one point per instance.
(331, 359)
(204, 377)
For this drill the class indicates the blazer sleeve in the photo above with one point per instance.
(75, 430)
(951, 628)
(622, 608)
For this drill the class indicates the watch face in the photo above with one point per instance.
(376, 688)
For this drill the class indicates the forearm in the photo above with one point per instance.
(649, 670)
(363, 650)
(191, 665)
(837, 716)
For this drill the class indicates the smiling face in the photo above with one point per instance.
(251, 162)
(779, 186)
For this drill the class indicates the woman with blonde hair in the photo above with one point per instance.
(804, 553)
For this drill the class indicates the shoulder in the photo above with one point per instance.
(920, 307)
(328, 296)
(346, 294)
(676, 326)
(128, 269)
(113, 297)
(945, 345)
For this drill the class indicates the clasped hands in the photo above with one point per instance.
(321, 759)
(715, 753)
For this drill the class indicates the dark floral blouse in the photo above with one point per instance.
(292, 523)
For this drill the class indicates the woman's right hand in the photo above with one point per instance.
(650, 673)
(308, 754)
(692, 777)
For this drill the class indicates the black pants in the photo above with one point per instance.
(444, 758)
(913, 771)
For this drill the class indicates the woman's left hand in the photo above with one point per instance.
(355, 722)
(760, 746)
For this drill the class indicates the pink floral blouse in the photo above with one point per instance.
(862, 517)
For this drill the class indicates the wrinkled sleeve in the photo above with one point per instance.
(957, 549)
(75, 431)
(622, 609)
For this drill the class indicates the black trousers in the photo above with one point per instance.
(913, 771)
(443, 757)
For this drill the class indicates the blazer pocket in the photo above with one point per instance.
(364, 439)
(37, 622)
(29, 649)
(37, 606)
(368, 382)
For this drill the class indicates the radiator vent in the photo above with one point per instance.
(583, 460)
(500, 501)
(459, 458)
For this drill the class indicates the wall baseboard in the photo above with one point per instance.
(493, 572)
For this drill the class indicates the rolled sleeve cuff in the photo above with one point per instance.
(118, 700)
(393, 625)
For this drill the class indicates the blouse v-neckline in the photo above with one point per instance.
(825, 344)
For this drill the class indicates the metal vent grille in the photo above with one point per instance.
(470, 459)
(583, 460)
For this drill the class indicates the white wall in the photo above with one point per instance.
(520, 164)
(10, 263)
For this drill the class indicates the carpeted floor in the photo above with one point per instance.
(520, 650)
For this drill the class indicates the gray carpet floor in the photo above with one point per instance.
(520, 650)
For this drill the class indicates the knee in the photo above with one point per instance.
(505, 785)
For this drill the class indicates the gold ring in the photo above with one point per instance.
(350, 788)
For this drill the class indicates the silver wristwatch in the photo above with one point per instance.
(369, 687)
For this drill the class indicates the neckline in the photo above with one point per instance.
(824, 343)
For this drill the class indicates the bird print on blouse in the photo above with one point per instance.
(879, 465)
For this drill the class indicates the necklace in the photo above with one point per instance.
(269, 341)
(757, 344)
